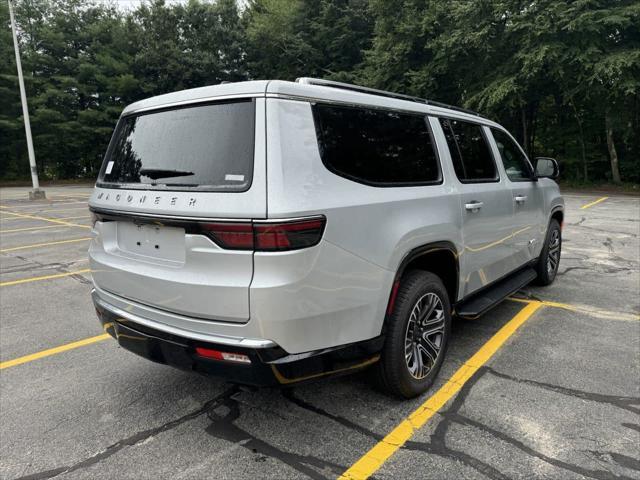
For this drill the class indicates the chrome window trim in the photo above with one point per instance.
(193, 101)
(430, 110)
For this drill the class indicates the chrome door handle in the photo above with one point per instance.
(520, 198)
(473, 206)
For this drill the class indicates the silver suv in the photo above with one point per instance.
(274, 232)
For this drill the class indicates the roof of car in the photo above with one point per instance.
(329, 92)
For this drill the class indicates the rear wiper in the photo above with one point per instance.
(156, 173)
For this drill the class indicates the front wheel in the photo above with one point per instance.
(549, 260)
(417, 335)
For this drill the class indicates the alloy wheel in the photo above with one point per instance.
(424, 335)
(553, 258)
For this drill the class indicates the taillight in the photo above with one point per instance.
(288, 235)
(266, 236)
(233, 236)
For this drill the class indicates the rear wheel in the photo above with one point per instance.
(549, 260)
(417, 335)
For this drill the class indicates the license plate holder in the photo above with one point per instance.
(152, 241)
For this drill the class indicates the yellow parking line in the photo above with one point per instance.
(586, 310)
(37, 245)
(589, 205)
(4, 220)
(28, 229)
(46, 219)
(35, 206)
(49, 210)
(53, 351)
(54, 210)
(73, 218)
(371, 461)
(44, 277)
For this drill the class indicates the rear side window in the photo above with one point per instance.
(376, 147)
(206, 147)
(515, 162)
(470, 153)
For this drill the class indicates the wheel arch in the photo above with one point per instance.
(437, 258)
(558, 214)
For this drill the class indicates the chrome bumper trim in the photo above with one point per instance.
(219, 339)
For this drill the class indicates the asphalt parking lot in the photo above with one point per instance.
(547, 385)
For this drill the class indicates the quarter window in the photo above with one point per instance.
(514, 160)
(376, 147)
(472, 159)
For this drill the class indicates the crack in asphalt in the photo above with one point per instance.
(623, 402)
(224, 410)
(438, 448)
(632, 426)
(437, 444)
(625, 461)
(452, 413)
(570, 269)
(223, 427)
(602, 230)
(129, 441)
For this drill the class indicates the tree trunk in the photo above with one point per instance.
(613, 155)
(533, 125)
(585, 172)
(525, 136)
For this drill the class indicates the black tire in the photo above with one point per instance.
(549, 260)
(395, 373)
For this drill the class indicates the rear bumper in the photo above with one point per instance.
(269, 364)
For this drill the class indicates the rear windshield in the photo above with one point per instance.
(208, 147)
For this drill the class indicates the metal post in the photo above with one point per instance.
(36, 193)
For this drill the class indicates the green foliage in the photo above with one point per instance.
(563, 76)
(295, 38)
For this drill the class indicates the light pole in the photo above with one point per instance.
(35, 193)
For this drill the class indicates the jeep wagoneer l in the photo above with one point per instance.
(273, 232)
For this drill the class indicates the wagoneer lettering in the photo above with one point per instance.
(274, 232)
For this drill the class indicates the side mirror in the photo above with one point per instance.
(547, 168)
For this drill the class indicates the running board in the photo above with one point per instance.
(493, 295)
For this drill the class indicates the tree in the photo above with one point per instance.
(605, 54)
(12, 142)
(295, 38)
(562, 76)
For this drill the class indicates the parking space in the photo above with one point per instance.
(546, 385)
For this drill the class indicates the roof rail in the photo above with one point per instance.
(382, 93)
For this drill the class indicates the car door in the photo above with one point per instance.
(486, 204)
(528, 223)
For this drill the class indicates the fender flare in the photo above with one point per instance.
(413, 254)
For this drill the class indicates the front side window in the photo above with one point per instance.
(470, 153)
(205, 147)
(376, 147)
(514, 160)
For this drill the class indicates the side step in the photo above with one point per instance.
(493, 295)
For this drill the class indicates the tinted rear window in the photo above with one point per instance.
(377, 147)
(470, 153)
(208, 147)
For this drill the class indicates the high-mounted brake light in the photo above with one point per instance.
(266, 236)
